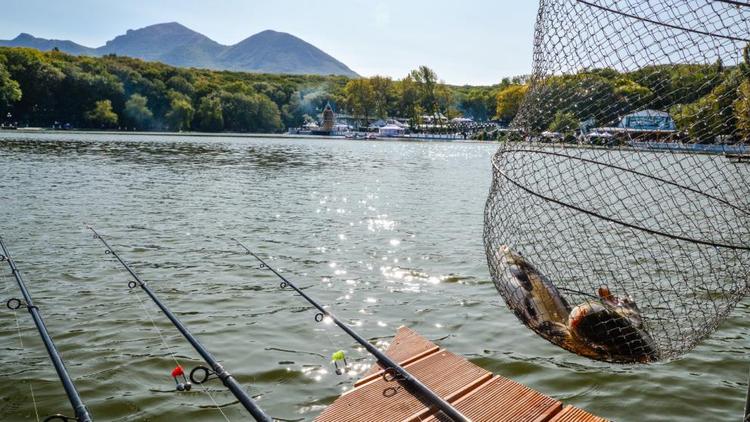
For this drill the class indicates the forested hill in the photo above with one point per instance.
(47, 88)
(41, 88)
(177, 45)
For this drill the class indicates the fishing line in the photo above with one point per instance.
(214, 369)
(393, 371)
(31, 387)
(170, 348)
(79, 408)
(174, 356)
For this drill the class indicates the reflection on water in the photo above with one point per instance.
(387, 234)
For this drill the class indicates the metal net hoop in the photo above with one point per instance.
(617, 224)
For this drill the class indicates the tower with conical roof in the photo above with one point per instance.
(329, 118)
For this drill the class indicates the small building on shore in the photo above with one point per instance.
(391, 130)
(648, 120)
(644, 125)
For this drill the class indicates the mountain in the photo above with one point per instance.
(279, 52)
(27, 40)
(177, 45)
(169, 43)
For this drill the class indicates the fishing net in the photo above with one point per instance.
(618, 222)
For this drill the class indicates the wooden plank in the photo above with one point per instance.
(478, 394)
(574, 414)
(380, 400)
(403, 348)
(503, 400)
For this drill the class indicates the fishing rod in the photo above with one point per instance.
(394, 369)
(215, 367)
(79, 409)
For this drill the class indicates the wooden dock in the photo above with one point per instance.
(478, 394)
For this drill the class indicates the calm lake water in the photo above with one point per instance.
(387, 233)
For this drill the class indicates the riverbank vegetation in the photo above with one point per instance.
(49, 89)
(708, 102)
(55, 89)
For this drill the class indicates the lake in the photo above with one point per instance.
(386, 233)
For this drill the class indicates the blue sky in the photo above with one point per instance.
(468, 42)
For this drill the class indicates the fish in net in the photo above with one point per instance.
(616, 227)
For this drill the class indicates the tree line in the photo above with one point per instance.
(708, 102)
(52, 88)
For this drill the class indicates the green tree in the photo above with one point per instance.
(210, 114)
(102, 115)
(714, 114)
(360, 98)
(250, 113)
(383, 95)
(40, 83)
(181, 84)
(408, 103)
(136, 109)
(742, 104)
(10, 90)
(564, 122)
(478, 104)
(508, 102)
(444, 101)
(268, 118)
(742, 111)
(427, 80)
(632, 95)
(292, 113)
(180, 113)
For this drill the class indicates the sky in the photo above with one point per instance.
(466, 42)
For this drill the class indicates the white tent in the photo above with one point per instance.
(391, 130)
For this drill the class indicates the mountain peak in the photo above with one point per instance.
(172, 43)
(272, 32)
(154, 41)
(165, 27)
(279, 52)
(25, 39)
(24, 36)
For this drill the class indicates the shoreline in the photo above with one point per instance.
(237, 135)
(232, 135)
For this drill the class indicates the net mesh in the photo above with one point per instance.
(618, 222)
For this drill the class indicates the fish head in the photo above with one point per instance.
(508, 256)
(517, 265)
(628, 309)
(625, 306)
